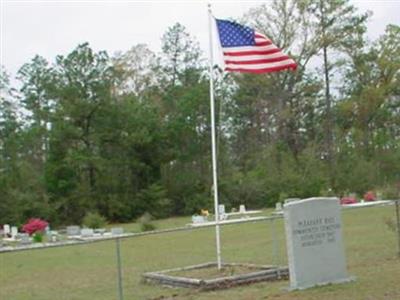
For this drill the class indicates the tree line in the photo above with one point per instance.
(126, 134)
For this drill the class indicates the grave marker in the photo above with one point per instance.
(73, 230)
(25, 239)
(7, 229)
(314, 242)
(14, 232)
(117, 230)
(87, 232)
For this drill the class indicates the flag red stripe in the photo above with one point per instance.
(257, 61)
(262, 57)
(292, 66)
(259, 35)
(254, 52)
(263, 43)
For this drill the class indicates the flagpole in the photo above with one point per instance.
(213, 140)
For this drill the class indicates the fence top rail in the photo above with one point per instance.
(154, 232)
(90, 240)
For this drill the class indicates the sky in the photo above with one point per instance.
(53, 27)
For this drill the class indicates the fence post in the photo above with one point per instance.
(275, 245)
(398, 225)
(118, 250)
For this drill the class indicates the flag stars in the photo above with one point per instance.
(233, 34)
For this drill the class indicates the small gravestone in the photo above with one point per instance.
(242, 209)
(24, 239)
(6, 229)
(117, 230)
(14, 232)
(314, 242)
(221, 212)
(87, 232)
(221, 209)
(198, 219)
(278, 206)
(73, 230)
(52, 235)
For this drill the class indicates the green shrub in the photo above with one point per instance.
(94, 220)
(154, 198)
(147, 227)
(38, 237)
(145, 222)
(197, 202)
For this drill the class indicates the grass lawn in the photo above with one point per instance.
(89, 271)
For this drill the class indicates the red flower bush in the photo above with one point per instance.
(369, 196)
(34, 225)
(348, 200)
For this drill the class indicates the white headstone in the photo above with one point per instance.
(221, 212)
(73, 230)
(25, 239)
(86, 232)
(242, 208)
(6, 229)
(314, 242)
(197, 219)
(221, 209)
(278, 206)
(117, 230)
(14, 231)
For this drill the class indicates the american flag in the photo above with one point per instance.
(248, 51)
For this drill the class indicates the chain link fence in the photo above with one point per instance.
(112, 269)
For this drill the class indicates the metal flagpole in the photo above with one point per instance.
(213, 140)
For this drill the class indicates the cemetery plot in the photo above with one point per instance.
(70, 236)
(207, 276)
